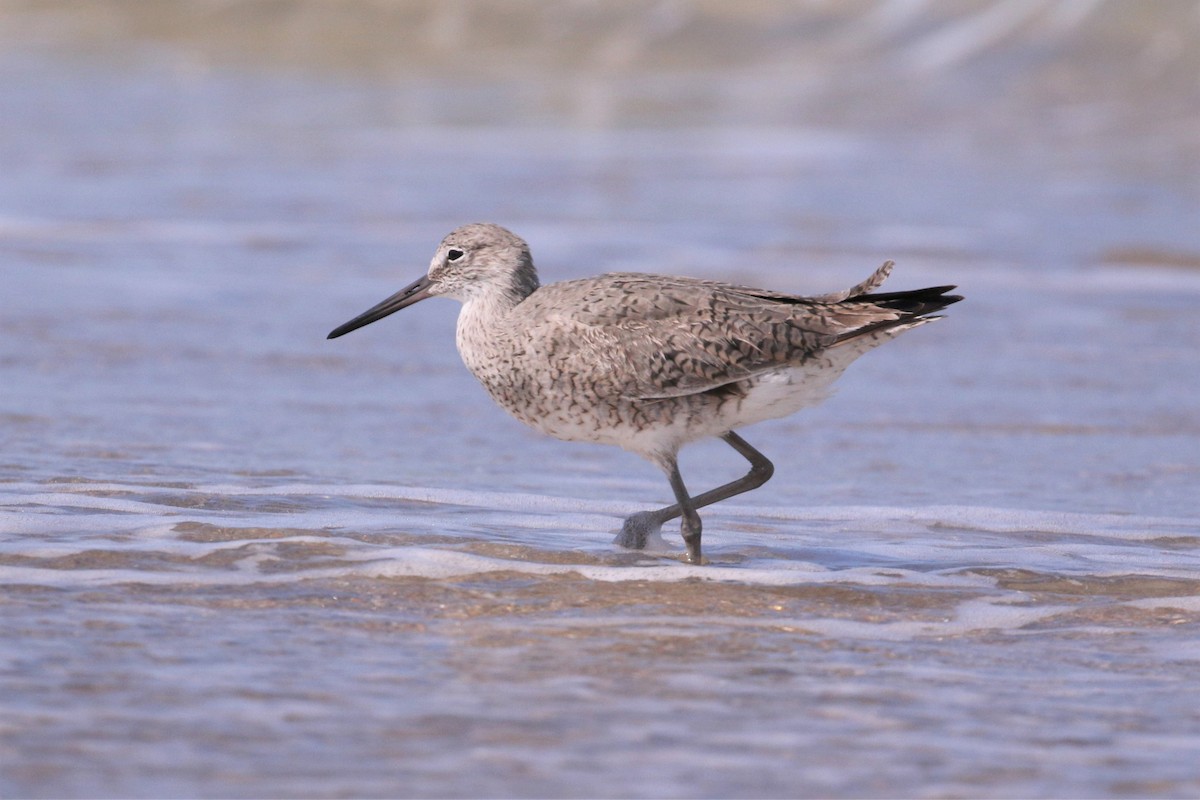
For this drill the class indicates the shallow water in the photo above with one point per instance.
(240, 560)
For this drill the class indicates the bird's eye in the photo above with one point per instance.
(454, 255)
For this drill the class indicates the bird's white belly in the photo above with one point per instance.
(653, 427)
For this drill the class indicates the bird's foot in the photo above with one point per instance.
(640, 530)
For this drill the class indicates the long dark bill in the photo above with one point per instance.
(415, 292)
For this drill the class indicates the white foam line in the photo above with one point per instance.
(422, 562)
(976, 518)
(388, 560)
(431, 563)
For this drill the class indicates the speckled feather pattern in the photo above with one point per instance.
(650, 362)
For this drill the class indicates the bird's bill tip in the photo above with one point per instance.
(413, 293)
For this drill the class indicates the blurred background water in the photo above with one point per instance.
(240, 560)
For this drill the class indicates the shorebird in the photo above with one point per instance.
(651, 362)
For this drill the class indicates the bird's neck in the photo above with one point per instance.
(485, 323)
(486, 319)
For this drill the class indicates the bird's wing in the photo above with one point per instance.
(652, 337)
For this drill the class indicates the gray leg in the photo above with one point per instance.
(638, 528)
(689, 526)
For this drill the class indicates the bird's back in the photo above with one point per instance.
(670, 336)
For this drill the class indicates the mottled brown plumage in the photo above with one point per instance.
(651, 362)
